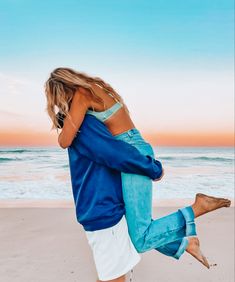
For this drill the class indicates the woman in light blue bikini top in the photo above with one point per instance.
(104, 115)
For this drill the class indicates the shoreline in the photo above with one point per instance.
(60, 203)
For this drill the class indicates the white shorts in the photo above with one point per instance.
(113, 250)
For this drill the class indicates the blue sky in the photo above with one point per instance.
(179, 54)
(172, 32)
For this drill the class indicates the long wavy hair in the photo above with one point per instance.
(61, 87)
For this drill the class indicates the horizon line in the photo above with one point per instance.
(179, 139)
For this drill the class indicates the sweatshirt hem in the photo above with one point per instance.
(101, 223)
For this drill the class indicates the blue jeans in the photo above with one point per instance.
(167, 234)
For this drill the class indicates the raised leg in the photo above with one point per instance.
(165, 234)
(146, 233)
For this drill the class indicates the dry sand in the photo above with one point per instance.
(40, 241)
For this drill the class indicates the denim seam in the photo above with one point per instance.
(177, 229)
(174, 230)
(171, 231)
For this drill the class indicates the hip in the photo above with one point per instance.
(134, 138)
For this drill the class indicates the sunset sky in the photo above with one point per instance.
(171, 61)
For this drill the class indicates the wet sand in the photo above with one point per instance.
(40, 241)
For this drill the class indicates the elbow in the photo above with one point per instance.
(160, 174)
(64, 144)
(158, 169)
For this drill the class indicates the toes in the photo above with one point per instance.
(227, 201)
(226, 204)
(205, 262)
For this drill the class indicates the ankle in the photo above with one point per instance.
(193, 242)
(195, 209)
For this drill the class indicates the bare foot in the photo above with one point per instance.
(194, 250)
(204, 204)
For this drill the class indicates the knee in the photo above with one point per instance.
(140, 245)
(140, 249)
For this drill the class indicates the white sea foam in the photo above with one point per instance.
(43, 172)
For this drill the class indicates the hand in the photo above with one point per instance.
(155, 180)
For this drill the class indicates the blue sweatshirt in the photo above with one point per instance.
(96, 160)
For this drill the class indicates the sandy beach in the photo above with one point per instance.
(42, 242)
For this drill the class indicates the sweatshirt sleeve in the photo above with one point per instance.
(96, 142)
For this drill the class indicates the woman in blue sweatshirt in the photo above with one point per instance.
(78, 96)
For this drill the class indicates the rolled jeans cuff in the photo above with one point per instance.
(182, 248)
(190, 230)
(189, 219)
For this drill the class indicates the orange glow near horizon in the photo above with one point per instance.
(191, 139)
(158, 139)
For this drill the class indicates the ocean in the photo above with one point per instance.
(43, 172)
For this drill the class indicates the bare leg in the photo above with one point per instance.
(204, 204)
(120, 279)
(194, 250)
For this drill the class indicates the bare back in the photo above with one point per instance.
(118, 122)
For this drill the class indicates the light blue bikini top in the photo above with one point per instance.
(104, 115)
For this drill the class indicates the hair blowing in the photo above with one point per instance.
(61, 87)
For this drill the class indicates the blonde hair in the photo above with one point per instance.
(61, 87)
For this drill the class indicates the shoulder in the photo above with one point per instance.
(82, 95)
